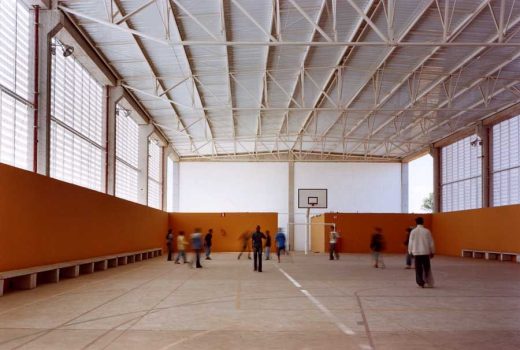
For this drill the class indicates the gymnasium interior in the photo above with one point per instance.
(320, 121)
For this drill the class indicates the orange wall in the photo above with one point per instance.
(357, 229)
(493, 229)
(226, 229)
(44, 221)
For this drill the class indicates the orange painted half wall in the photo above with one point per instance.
(44, 221)
(227, 227)
(356, 230)
(491, 229)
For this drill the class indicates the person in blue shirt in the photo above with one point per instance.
(280, 242)
(196, 245)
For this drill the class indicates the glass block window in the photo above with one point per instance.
(505, 167)
(77, 151)
(15, 109)
(127, 153)
(154, 174)
(461, 175)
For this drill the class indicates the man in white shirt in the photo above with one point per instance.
(422, 248)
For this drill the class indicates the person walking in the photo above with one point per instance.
(377, 245)
(244, 238)
(422, 248)
(207, 243)
(196, 245)
(181, 247)
(333, 239)
(409, 257)
(267, 244)
(257, 248)
(280, 242)
(169, 244)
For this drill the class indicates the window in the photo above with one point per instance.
(15, 128)
(127, 154)
(77, 154)
(154, 174)
(505, 169)
(461, 175)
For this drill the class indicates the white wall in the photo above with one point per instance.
(250, 187)
(352, 187)
(233, 187)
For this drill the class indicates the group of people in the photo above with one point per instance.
(258, 246)
(419, 244)
(197, 244)
(420, 248)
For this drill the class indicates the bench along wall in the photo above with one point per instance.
(490, 229)
(356, 230)
(45, 221)
(227, 227)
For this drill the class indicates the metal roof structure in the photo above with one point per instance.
(309, 79)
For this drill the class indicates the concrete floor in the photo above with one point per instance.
(312, 303)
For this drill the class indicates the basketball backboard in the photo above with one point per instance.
(312, 198)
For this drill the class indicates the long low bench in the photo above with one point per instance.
(30, 277)
(490, 255)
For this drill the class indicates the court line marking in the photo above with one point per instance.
(319, 305)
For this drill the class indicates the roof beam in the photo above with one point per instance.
(197, 94)
(302, 66)
(440, 81)
(315, 25)
(373, 73)
(368, 21)
(263, 83)
(481, 101)
(345, 54)
(134, 12)
(454, 34)
(285, 43)
(223, 30)
(147, 59)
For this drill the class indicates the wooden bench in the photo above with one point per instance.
(490, 255)
(30, 277)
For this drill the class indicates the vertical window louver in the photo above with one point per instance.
(461, 175)
(77, 151)
(15, 116)
(505, 168)
(127, 153)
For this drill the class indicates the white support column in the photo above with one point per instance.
(168, 154)
(112, 96)
(49, 23)
(176, 186)
(144, 133)
(307, 230)
(404, 188)
(290, 218)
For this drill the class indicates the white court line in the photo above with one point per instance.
(290, 278)
(320, 306)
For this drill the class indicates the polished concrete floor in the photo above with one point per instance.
(306, 302)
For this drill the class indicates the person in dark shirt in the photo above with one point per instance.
(207, 243)
(169, 244)
(257, 248)
(267, 244)
(377, 245)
